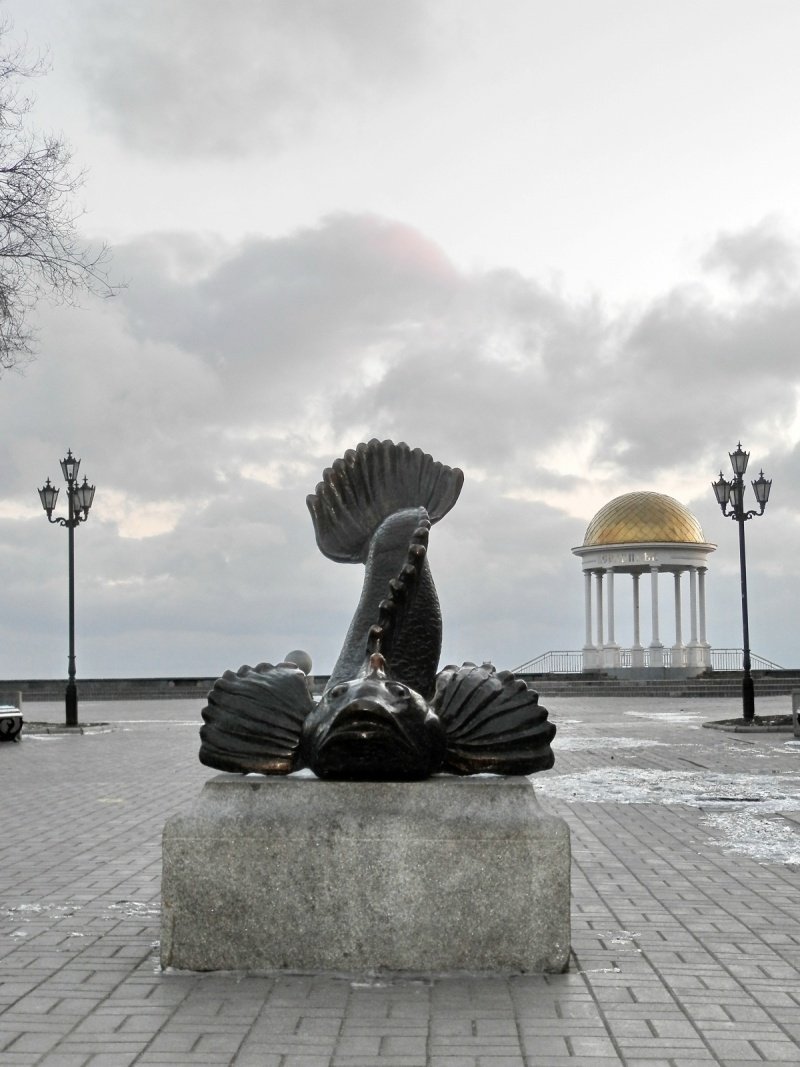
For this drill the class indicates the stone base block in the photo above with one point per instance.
(445, 875)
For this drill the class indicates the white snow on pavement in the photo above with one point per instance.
(636, 785)
(767, 840)
(739, 802)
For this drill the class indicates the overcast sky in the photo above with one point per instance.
(556, 244)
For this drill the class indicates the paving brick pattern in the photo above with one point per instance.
(683, 954)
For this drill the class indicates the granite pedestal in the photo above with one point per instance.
(444, 875)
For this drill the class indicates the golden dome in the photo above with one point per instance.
(643, 517)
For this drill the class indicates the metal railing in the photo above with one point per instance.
(564, 662)
(571, 661)
(730, 659)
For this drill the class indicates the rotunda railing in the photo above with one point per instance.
(571, 661)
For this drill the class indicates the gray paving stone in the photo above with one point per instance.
(350, 1060)
(684, 955)
(64, 1059)
(546, 1046)
(776, 1051)
(695, 1060)
(112, 1059)
(256, 1056)
(451, 1061)
(303, 1060)
(500, 1061)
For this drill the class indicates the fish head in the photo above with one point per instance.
(372, 728)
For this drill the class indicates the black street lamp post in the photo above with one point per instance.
(730, 497)
(79, 499)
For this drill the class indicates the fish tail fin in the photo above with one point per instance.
(368, 484)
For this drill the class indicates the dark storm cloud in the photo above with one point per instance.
(195, 77)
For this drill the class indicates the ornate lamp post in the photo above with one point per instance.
(79, 499)
(730, 497)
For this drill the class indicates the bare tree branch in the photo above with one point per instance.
(41, 252)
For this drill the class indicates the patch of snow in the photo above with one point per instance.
(581, 744)
(634, 785)
(767, 840)
(624, 937)
(26, 911)
(135, 908)
(687, 717)
(741, 802)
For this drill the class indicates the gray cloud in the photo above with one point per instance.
(347, 282)
(690, 371)
(207, 399)
(189, 79)
(759, 254)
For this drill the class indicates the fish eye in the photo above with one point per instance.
(338, 691)
(396, 689)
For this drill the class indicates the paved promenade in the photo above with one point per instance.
(686, 911)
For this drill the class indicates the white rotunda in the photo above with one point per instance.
(644, 534)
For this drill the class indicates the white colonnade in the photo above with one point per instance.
(601, 649)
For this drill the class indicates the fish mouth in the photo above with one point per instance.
(364, 720)
(371, 732)
(366, 742)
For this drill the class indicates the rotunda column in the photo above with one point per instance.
(598, 577)
(678, 649)
(610, 648)
(656, 648)
(589, 649)
(695, 649)
(637, 652)
(701, 590)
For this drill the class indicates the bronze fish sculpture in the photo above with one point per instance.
(387, 713)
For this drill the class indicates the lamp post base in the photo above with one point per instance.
(71, 704)
(748, 697)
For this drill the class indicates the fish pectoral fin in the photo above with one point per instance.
(253, 720)
(492, 722)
